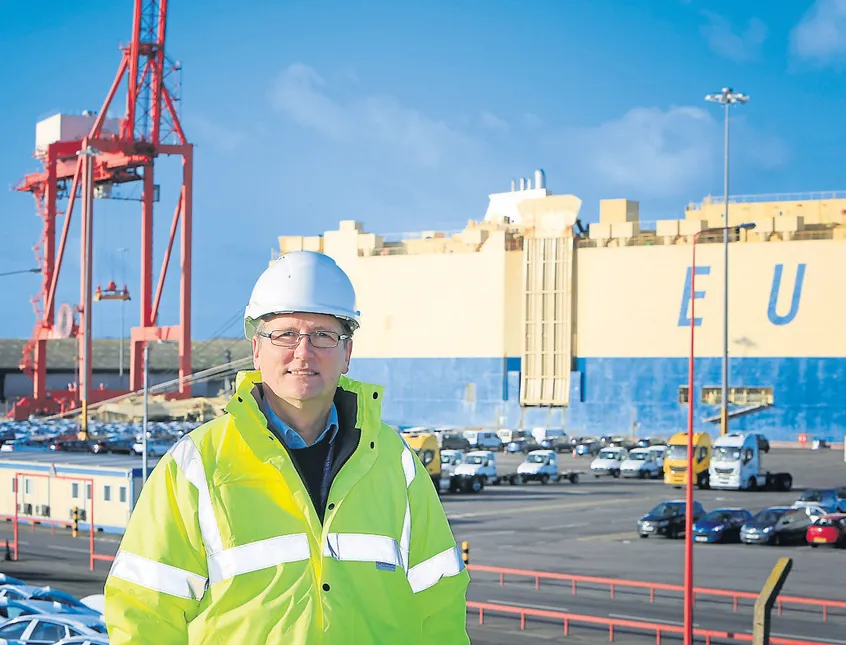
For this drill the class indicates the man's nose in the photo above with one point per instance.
(303, 347)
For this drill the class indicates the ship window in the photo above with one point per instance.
(738, 396)
(683, 395)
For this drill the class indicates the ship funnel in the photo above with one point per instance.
(540, 178)
(522, 183)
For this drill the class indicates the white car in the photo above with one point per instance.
(155, 448)
(642, 463)
(49, 628)
(609, 461)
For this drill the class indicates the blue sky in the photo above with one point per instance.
(405, 116)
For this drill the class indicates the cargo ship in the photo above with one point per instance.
(529, 317)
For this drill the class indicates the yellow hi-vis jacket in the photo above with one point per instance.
(224, 545)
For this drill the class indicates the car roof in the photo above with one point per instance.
(77, 621)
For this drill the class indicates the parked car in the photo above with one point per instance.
(609, 461)
(668, 518)
(776, 525)
(45, 594)
(589, 446)
(824, 497)
(763, 442)
(722, 525)
(522, 441)
(454, 441)
(841, 497)
(84, 640)
(483, 440)
(829, 529)
(642, 463)
(46, 628)
(14, 607)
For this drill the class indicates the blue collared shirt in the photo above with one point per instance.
(291, 437)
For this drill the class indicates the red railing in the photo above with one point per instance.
(613, 583)
(611, 623)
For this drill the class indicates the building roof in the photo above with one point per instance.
(61, 354)
(73, 460)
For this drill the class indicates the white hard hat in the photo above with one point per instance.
(302, 282)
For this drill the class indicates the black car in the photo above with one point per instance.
(454, 441)
(667, 519)
(776, 525)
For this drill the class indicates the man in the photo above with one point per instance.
(298, 516)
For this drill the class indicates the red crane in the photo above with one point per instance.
(150, 127)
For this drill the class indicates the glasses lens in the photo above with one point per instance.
(284, 338)
(324, 339)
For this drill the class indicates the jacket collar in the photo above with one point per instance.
(359, 408)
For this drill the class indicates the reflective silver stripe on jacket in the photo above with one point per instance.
(361, 547)
(258, 555)
(427, 573)
(157, 576)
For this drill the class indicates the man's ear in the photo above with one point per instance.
(256, 340)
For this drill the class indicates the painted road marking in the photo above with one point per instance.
(75, 549)
(527, 605)
(564, 526)
(649, 620)
(533, 509)
(627, 535)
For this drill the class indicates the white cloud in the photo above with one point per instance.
(820, 36)
(376, 119)
(493, 122)
(724, 41)
(649, 150)
(663, 153)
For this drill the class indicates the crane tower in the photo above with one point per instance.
(89, 155)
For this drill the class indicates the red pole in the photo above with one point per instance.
(91, 530)
(688, 518)
(15, 526)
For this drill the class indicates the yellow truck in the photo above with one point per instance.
(427, 448)
(675, 462)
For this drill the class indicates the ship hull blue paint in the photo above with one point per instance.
(612, 395)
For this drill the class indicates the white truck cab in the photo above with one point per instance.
(450, 459)
(540, 465)
(609, 461)
(642, 463)
(479, 464)
(736, 465)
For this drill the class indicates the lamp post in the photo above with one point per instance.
(727, 97)
(87, 153)
(688, 507)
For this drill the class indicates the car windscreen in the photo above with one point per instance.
(717, 516)
(638, 456)
(726, 453)
(473, 459)
(769, 516)
(667, 509)
(811, 496)
(677, 452)
(536, 459)
(608, 454)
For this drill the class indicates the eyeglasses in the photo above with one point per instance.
(317, 339)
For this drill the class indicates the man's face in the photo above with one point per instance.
(304, 372)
